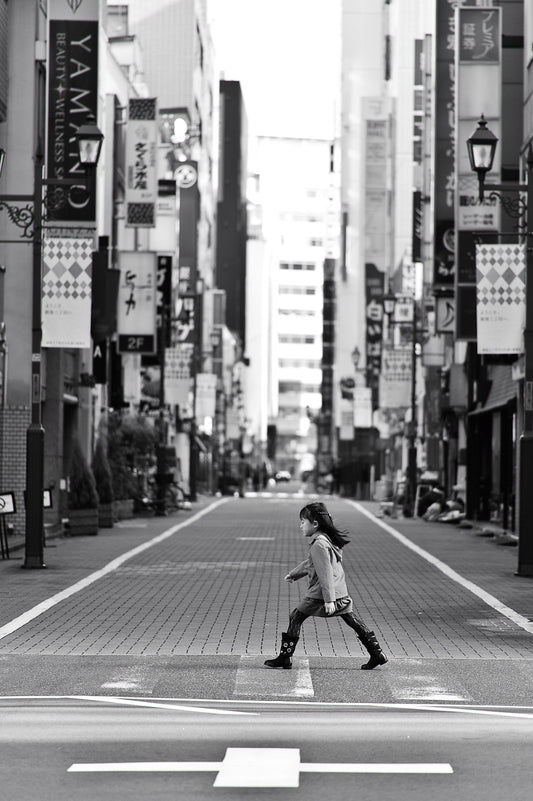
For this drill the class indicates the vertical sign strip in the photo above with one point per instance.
(137, 302)
(72, 97)
(444, 258)
(66, 292)
(141, 166)
(478, 71)
(374, 285)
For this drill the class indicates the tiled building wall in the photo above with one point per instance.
(3, 59)
(14, 422)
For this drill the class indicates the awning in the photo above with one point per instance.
(502, 390)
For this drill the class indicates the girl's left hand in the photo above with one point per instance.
(329, 608)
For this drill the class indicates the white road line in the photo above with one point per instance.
(489, 599)
(252, 678)
(44, 606)
(108, 699)
(262, 767)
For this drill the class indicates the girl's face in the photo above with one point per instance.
(308, 527)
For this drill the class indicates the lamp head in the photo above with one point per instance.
(90, 139)
(356, 357)
(481, 151)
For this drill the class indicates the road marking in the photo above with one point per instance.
(44, 606)
(489, 599)
(262, 767)
(259, 767)
(108, 699)
(136, 678)
(252, 678)
(411, 682)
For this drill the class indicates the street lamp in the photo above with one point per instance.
(389, 305)
(30, 220)
(481, 149)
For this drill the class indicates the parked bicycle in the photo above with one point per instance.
(164, 498)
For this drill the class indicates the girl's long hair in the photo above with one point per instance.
(317, 512)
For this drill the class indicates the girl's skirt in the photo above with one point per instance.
(314, 607)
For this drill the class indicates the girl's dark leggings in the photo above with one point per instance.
(296, 618)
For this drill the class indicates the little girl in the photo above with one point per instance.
(327, 595)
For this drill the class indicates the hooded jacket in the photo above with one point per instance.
(324, 570)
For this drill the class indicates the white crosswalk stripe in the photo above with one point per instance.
(253, 679)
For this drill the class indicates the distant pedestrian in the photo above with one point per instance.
(327, 595)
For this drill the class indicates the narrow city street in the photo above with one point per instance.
(133, 664)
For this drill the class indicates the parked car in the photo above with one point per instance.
(282, 475)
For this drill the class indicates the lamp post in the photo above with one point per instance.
(389, 305)
(30, 220)
(481, 149)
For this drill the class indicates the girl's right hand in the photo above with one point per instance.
(289, 578)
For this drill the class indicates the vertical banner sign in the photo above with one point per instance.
(136, 302)
(72, 97)
(100, 362)
(501, 298)
(444, 257)
(374, 289)
(178, 372)
(479, 89)
(164, 297)
(206, 385)
(395, 383)
(141, 163)
(328, 338)
(189, 200)
(376, 132)
(66, 292)
(362, 411)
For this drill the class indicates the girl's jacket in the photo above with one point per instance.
(323, 567)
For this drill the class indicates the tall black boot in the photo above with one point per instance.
(288, 644)
(377, 657)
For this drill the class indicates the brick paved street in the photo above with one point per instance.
(216, 586)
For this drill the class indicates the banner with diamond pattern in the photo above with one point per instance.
(395, 378)
(178, 373)
(66, 292)
(501, 283)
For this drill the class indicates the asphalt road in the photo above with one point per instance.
(145, 679)
(87, 749)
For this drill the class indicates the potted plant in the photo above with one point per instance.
(104, 485)
(131, 448)
(82, 495)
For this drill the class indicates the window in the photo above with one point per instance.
(117, 21)
(297, 290)
(285, 265)
(297, 313)
(296, 386)
(296, 339)
(307, 363)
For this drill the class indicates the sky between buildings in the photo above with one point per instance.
(286, 55)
